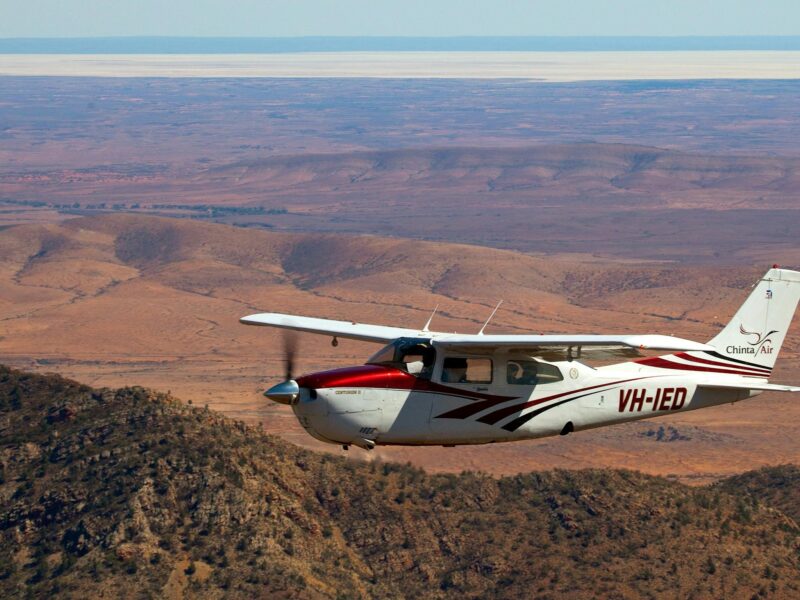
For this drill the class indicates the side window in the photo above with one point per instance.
(467, 370)
(531, 372)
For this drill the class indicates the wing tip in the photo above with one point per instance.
(253, 319)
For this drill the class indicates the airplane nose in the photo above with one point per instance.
(284, 393)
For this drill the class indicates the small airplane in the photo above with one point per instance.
(434, 388)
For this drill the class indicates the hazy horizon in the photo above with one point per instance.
(534, 66)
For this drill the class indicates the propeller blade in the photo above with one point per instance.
(289, 352)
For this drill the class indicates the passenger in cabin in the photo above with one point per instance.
(530, 373)
(522, 372)
(513, 372)
(455, 370)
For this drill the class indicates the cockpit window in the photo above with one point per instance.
(413, 355)
(531, 372)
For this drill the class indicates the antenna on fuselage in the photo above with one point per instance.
(428, 324)
(490, 317)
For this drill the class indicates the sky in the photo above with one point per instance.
(279, 18)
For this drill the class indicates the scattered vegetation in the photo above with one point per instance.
(200, 210)
(133, 491)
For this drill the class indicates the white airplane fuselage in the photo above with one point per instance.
(434, 388)
(381, 405)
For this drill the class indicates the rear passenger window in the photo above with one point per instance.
(467, 370)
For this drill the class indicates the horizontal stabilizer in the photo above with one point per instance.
(746, 385)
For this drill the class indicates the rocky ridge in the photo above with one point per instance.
(131, 493)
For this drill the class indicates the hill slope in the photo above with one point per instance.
(130, 492)
(778, 487)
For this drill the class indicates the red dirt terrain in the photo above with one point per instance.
(127, 299)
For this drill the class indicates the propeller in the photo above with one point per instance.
(287, 391)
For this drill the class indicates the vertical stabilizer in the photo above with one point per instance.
(756, 333)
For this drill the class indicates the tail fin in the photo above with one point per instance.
(757, 331)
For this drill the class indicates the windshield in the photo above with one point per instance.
(413, 355)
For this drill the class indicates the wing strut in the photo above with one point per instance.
(427, 327)
(490, 317)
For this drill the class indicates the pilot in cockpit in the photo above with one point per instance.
(419, 360)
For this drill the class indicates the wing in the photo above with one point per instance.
(555, 346)
(343, 329)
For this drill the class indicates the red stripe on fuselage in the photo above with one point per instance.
(497, 415)
(666, 364)
(716, 363)
(384, 377)
(372, 376)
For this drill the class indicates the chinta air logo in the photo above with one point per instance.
(757, 343)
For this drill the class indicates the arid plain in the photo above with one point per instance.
(121, 299)
(594, 207)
